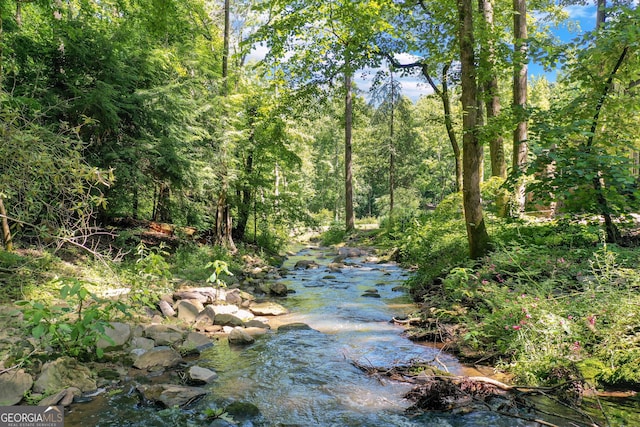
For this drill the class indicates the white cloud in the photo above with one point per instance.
(580, 12)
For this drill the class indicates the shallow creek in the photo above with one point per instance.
(304, 377)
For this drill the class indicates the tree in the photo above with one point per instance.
(472, 149)
(520, 144)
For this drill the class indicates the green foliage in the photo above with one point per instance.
(334, 235)
(219, 268)
(75, 326)
(152, 275)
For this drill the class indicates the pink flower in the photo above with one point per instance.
(570, 317)
(485, 282)
(516, 327)
(576, 346)
(528, 316)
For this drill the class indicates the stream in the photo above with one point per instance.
(305, 377)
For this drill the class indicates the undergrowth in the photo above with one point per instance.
(550, 295)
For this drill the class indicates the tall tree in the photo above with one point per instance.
(472, 149)
(520, 58)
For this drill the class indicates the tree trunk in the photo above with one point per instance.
(225, 46)
(7, 239)
(348, 175)
(392, 148)
(472, 150)
(491, 92)
(520, 145)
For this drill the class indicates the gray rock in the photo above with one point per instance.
(166, 309)
(255, 332)
(187, 311)
(228, 320)
(13, 386)
(158, 356)
(234, 297)
(298, 326)
(164, 334)
(278, 289)
(170, 395)
(267, 308)
(200, 375)
(224, 308)
(240, 337)
(63, 373)
(142, 343)
(306, 264)
(244, 315)
(63, 397)
(197, 342)
(118, 333)
(254, 323)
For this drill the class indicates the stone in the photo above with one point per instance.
(166, 309)
(306, 264)
(162, 356)
(63, 373)
(63, 397)
(244, 315)
(170, 395)
(200, 375)
(267, 308)
(190, 294)
(13, 386)
(254, 323)
(187, 311)
(197, 342)
(224, 309)
(234, 297)
(142, 343)
(278, 289)
(240, 337)
(256, 332)
(164, 334)
(297, 326)
(118, 333)
(213, 328)
(228, 320)
(351, 252)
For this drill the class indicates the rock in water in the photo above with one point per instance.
(170, 395)
(239, 336)
(158, 356)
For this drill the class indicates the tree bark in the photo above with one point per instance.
(491, 92)
(348, 174)
(520, 145)
(392, 148)
(472, 149)
(7, 239)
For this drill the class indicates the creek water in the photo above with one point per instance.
(305, 377)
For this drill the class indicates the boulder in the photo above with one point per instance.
(142, 343)
(224, 309)
(278, 289)
(197, 342)
(306, 264)
(187, 311)
(13, 386)
(240, 337)
(170, 395)
(158, 356)
(244, 315)
(63, 397)
(233, 297)
(267, 308)
(200, 375)
(166, 309)
(63, 373)
(254, 323)
(298, 326)
(163, 334)
(118, 333)
(228, 320)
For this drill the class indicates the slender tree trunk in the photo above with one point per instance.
(7, 239)
(472, 150)
(392, 148)
(225, 46)
(520, 145)
(348, 174)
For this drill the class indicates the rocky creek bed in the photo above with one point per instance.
(288, 348)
